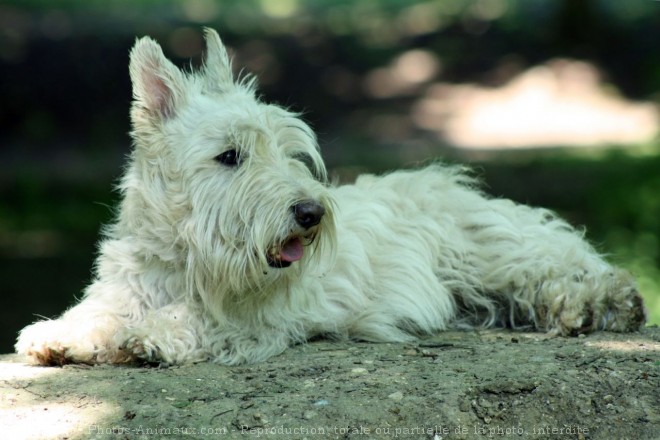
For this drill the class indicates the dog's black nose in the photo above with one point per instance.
(308, 213)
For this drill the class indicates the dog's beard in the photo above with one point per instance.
(252, 241)
(251, 263)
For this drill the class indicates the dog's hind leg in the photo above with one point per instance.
(548, 274)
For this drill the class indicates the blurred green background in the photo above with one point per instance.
(365, 74)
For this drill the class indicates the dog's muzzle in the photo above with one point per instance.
(307, 214)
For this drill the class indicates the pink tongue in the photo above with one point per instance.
(292, 250)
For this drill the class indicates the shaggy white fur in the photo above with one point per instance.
(229, 244)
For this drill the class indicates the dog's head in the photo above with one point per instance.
(234, 186)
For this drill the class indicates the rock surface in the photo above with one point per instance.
(456, 385)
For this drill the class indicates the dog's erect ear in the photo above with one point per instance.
(158, 85)
(217, 65)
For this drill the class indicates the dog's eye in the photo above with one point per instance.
(231, 158)
(308, 161)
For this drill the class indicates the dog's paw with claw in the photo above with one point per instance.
(145, 351)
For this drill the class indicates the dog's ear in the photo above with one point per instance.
(217, 65)
(158, 85)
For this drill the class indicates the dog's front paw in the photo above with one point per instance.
(143, 349)
(50, 343)
(154, 343)
(229, 352)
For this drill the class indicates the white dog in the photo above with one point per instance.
(230, 245)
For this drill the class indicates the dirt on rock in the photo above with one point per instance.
(456, 385)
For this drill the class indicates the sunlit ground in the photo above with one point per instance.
(26, 415)
(559, 103)
(630, 346)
